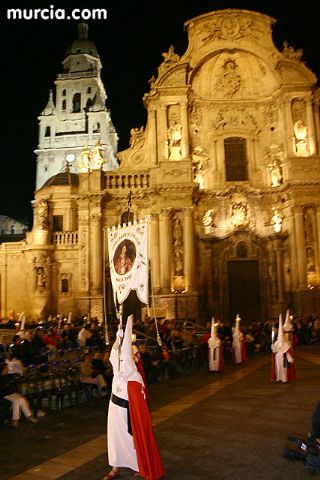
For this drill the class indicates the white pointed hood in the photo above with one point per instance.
(212, 328)
(280, 345)
(214, 341)
(237, 326)
(287, 326)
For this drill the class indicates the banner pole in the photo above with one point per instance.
(107, 339)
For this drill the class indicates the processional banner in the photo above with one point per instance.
(128, 260)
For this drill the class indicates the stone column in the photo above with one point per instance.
(208, 272)
(289, 123)
(300, 248)
(316, 114)
(189, 252)
(310, 125)
(293, 253)
(96, 254)
(277, 245)
(162, 133)
(185, 130)
(83, 206)
(153, 135)
(154, 248)
(317, 224)
(165, 250)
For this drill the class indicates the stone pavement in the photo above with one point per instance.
(208, 426)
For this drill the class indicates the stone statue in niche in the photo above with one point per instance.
(300, 132)
(178, 262)
(199, 164)
(300, 129)
(311, 267)
(43, 214)
(174, 141)
(178, 247)
(275, 174)
(308, 228)
(41, 277)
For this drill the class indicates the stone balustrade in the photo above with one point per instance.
(118, 181)
(65, 238)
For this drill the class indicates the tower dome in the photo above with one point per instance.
(82, 45)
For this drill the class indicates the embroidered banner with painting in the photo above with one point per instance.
(128, 260)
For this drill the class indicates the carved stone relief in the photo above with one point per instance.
(178, 247)
(235, 119)
(229, 81)
(137, 136)
(230, 26)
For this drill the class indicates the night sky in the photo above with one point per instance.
(130, 43)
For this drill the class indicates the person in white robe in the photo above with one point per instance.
(282, 358)
(215, 352)
(239, 350)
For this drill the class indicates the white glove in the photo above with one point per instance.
(120, 334)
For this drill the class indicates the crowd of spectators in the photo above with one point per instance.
(166, 348)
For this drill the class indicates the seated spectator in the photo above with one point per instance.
(151, 371)
(90, 376)
(4, 345)
(15, 366)
(9, 392)
(69, 336)
(101, 364)
(171, 367)
(94, 340)
(15, 348)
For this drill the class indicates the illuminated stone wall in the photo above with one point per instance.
(228, 169)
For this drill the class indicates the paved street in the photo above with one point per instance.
(208, 426)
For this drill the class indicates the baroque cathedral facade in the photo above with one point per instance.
(227, 169)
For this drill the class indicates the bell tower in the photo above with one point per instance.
(76, 114)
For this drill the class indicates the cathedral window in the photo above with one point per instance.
(89, 102)
(235, 149)
(64, 92)
(47, 132)
(96, 127)
(64, 105)
(57, 223)
(241, 250)
(76, 103)
(64, 285)
(89, 90)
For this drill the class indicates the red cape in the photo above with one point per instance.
(149, 461)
